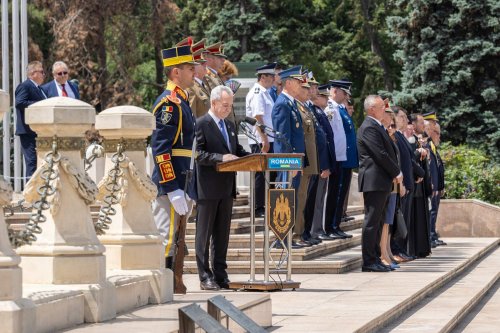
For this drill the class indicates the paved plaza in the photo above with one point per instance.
(360, 302)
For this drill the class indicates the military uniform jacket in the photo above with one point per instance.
(327, 155)
(350, 135)
(288, 122)
(436, 168)
(199, 99)
(212, 80)
(172, 140)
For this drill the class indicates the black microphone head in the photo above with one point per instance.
(251, 121)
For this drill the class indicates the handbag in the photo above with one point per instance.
(401, 230)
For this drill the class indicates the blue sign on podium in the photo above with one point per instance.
(284, 163)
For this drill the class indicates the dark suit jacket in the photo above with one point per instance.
(26, 94)
(50, 89)
(210, 148)
(378, 163)
(407, 156)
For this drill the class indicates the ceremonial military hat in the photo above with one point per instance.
(310, 78)
(177, 55)
(343, 84)
(430, 116)
(185, 41)
(198, 57)
(294, 72)
(199, 46)
(323, 89)
(216, 49)
(266, 69)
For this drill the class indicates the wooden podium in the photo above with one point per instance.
(266, 163)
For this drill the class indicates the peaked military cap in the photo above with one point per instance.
(343, 84)
(266, 69)
(293, 72)
(323, 89)
(430, 116)
(216, 49)
(177, 55)
(310, 78)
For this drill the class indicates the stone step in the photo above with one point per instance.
(448, 306)
(484, 317)
(242, 240)
(238, 226)
(306, 253)
(335, 263)
(165, 317)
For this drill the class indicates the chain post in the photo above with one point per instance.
(113, 187)
(49, 173)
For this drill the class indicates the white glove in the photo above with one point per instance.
(178, 200)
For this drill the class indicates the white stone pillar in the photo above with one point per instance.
(16, 314)
(133, 241)
(67, 252)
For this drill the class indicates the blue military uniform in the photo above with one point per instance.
(172, 140)
(172, 143)
(273, 91)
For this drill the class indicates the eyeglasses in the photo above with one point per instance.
(62, 73)
(350, 102)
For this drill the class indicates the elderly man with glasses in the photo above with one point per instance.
(60, 86)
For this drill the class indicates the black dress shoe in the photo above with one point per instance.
(440, 242)
(342, 234)
(334, 235)
(209, 284)
(223, 284)
(325, 237)
(434, 244)
(302, 243)
(347, 218)
(310, 240)
(374, 268)
(296, 246)
(260, 212)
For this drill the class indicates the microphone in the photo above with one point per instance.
(263, 128)
(249, 120)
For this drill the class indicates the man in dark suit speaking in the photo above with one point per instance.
(27, 93)
(378, 169)
(217, 141)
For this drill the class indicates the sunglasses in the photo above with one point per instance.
(62, 73)
(392, 126)
(350, 102)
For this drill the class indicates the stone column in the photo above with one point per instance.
(16, 314)
(133, 241)
(67, 252)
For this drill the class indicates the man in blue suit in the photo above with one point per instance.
(27, 93)
(60, 86)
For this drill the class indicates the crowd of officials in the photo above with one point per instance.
(400, 171)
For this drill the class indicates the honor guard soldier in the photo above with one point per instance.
(259, 105)
(199, 93)
(172, 143)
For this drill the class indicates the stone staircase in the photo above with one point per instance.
(336, 256)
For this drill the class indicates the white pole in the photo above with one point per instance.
(24, 55)
(5, 86)
(15, 83)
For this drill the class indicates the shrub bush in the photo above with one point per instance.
(470, 174)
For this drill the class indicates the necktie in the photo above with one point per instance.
(224, 134)
(64, 93)
(41, 91)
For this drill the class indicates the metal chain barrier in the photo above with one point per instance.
(48, 174)
(113, 187)
(97, 151)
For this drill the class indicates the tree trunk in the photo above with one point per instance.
(375, 44)
(157, 37)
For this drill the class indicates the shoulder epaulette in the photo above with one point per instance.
(172, 97)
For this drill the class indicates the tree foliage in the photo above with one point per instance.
(450, 50)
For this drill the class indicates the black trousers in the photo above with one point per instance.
(28, 148)
(343, 187)
(331, 198)
(260, 179)
(213, 224)
(375, 206)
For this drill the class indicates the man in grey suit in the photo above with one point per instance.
(378, 169)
